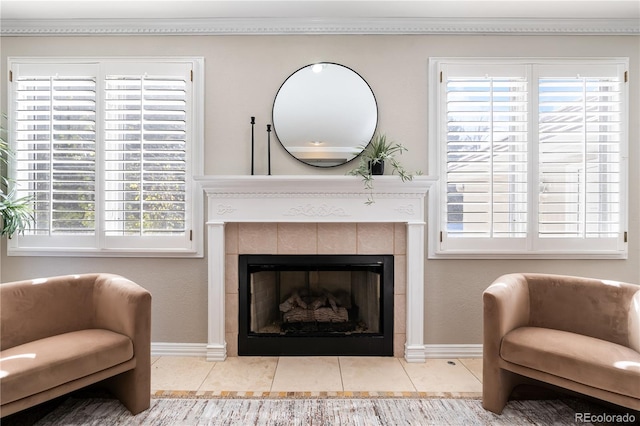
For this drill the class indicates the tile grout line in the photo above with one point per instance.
(206, 376)
(275, 371)
(341, 377)
(469, 370)
(415, 388)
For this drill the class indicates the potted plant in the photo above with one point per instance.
(375, 155)
(16, 213)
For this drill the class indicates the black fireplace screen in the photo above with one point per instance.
(315, 305)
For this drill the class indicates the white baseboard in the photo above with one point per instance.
(453, 351)
(178, 349)
(430, 351)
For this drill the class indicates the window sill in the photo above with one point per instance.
(529, 255)
(67, 252)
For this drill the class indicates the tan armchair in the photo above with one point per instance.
(60, 334)
(577, 333)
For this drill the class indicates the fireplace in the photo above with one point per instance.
(322, 200)
(315, 305)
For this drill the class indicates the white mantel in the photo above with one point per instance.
(310, 198)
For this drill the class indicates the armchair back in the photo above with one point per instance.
(35, 309)
(606, 310)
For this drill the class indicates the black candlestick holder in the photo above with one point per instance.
(253, 122)
(269, 149)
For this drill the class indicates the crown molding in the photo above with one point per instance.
(293, 26)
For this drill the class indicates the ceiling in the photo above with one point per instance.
(16, 10)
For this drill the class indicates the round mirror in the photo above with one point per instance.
(324, 113)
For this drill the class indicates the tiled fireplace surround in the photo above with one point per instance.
(315, 215)
(315, 238)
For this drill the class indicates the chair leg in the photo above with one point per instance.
(497, 385)
(132, 388)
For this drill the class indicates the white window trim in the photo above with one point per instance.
(436, 206)
(196, 168)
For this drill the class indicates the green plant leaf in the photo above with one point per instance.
(378, 150)
(16, 214)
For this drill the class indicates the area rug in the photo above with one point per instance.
(303, 412)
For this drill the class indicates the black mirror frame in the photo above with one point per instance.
(355, 148)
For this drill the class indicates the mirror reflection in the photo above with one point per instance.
(324, 113)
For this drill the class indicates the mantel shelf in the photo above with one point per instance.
(314, 199)
(242, 184)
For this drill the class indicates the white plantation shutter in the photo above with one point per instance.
(580, 161)
(55, 148)
(486, 155)
(106, 152)
(145, 143)
(532, 158)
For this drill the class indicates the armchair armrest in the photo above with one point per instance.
(634, 322)
(124, 307)
(506, 307)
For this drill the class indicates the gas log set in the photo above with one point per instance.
(302, 307)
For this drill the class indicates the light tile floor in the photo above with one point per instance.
(461, 377)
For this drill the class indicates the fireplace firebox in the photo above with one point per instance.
(315, 305)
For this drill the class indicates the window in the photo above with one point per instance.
(107, 149)
(531, 156)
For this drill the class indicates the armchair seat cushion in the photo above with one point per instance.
(582, 359)
(49, 362)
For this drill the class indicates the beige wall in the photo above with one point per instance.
(243, 74)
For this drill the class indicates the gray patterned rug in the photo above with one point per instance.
(289, 412)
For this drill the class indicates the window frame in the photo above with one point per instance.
(94, 245)
(437, 165)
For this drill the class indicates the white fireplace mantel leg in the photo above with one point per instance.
(414, 346)
(216, 344)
